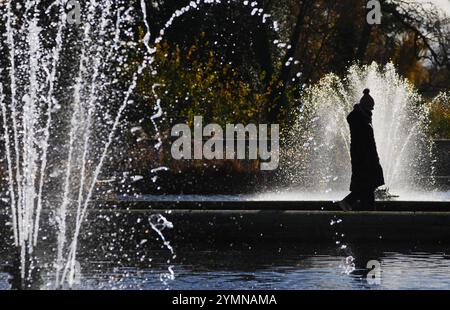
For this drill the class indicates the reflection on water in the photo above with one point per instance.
(269, 266)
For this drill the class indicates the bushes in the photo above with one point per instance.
(196, 81)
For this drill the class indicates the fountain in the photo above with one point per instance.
(317, 152)
(64, 88)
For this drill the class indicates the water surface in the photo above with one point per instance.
(273, 267)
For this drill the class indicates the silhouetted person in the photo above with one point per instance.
(367, 173)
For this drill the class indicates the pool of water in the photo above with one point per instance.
(275, 266)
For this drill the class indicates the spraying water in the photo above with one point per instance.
(62, 96)
(320, 142)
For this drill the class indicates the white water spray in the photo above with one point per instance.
(320, 142)
(55, 69)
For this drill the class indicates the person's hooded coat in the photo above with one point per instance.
(367, 173)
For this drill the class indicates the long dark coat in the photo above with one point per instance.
(367, 173)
